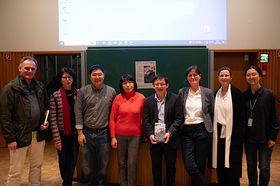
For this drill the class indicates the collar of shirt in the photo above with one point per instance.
(196, 93)
(258, 92)
(97, 89)
(158, 100)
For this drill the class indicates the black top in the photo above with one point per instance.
(265, 124)
(71, 101)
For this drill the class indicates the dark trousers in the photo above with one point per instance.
(196, 145)
(263, 153)
(67, 158)
(128, 151)
(170, 154)
(226, 176)
(95, 155)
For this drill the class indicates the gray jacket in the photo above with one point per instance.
(207, 99)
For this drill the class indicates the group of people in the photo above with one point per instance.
(212, 127)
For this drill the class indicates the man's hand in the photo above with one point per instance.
(58, 146)
(167, 137)
(153, 139)
(12, 146)
(44, 126)
(81, 138)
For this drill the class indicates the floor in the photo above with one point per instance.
(51, 176)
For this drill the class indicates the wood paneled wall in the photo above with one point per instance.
(272, 78)
(9, 62)
(237, 60)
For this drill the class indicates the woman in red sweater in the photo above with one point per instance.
(126, 128)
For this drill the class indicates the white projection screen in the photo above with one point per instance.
(142, 22)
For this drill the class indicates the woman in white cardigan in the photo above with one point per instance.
(228, 131)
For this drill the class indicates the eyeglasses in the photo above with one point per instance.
(68, 77)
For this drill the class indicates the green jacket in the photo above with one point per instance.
(15, 112)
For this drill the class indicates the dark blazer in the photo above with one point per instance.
(173, 116)
(207, 99)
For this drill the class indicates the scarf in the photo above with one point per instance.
(226, 127)
(66, 112)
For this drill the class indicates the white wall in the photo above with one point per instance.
(32, 25)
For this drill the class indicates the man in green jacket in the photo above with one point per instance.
(23, 104)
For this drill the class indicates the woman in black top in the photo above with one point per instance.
(262, 127)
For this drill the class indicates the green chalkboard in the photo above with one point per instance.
(172, 61)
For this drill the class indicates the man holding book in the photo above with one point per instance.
(163, 115)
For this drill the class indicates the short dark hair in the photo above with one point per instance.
(71, 72)
(160, 77)
(254, 67)
(127, 77)
(29, 58)
(196, 69)
(224, 68)
(95, 67)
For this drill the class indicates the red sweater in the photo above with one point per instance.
(127, 115)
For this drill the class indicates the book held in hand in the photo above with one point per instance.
(159, 132)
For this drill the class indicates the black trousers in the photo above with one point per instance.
(67, 158)
(226, 176)
(157, 153)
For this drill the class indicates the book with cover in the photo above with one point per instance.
(159, 132)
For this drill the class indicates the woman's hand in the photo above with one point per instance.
(270, 143)
(114, 143)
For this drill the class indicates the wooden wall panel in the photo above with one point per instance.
(272, 78)
(9, 62)
(237, 61)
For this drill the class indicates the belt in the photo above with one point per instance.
(95, 130)
(194, 125)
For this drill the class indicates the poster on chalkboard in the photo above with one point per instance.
(145, 72)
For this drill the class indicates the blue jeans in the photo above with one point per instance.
(263, 152)
(95, 152)
(196, 145)
(67, 157)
